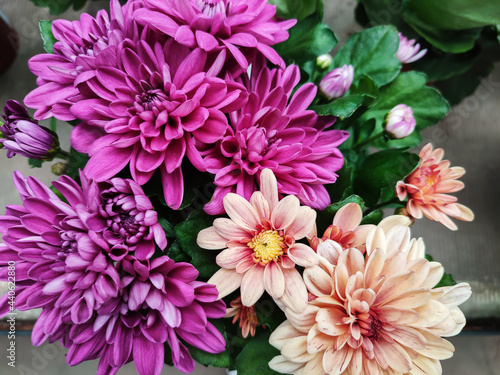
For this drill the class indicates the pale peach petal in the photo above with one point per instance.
(435, 274)
(281, 334)
(328, 319)
(436, 347)
(450, 186)
(392, 221)
(295, 296)
(261, 205)
(453, 295)
(230, 257)
(315, 366)
(408, 336)
(361, 233)
(295, 349)
(375, 240)
(348, 217)
(424, 366)
(356, 365)
(466, 213)
(414, 209)
(241, 211)
(445, 327)
(318, 281)
(274, 281)
(280, 364)
(411, 299)
(230, 230)
(397, 358)
(285, 212)
(303, 223)
(304, 320)
(398, 239)
(374, 265)
(226, 281)
(417, 249)
(330, 250)
(252, 285)
(269, 187)
(302, 255)
(210, 239)
(394, 286)
(317, 341)
(336, 361)
(401, 192)
(459, 318)
(456, 172)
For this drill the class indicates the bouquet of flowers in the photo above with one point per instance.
(225, 196)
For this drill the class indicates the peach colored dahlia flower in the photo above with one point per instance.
(428, 188)
(345, 232)
(260, 252)
(373, 315)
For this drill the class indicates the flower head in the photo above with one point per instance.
(212, 25)
(400, 122)
(275, 130)
(22, 135)
(428, 187)
(81, 47)
(408, 51)
(246, 315)
(337, 82)
(377, 314)
(147, 110)
(345, 232)
(260, 248)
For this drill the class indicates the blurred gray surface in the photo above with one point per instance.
(470, 136)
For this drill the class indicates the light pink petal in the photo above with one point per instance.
(348, 217)
(226, 281)
(210, 239)
(274, 280)
(269, 187)
(295, 296)
(285, 212)
(241, 211)
(303, 224)
(303, 255)
(252, 285)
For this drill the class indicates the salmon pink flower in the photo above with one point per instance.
(428, 187)
(213, 25)
(246, 315)
(345, 232)
(275, 130)
(260, 248)
(377, 314)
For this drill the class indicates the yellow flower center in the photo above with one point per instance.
(268, 245)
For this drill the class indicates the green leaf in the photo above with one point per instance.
(334, 207)
(255, 356)
(455, 14)
(341, 107)
(76, 162)
(59, 6)
(222, 359)
(298, 9)
(187, 232)
(446, 40)
(446, 280)
(382, 170)
(308, 39)
(371, 52)
(48, 38)
(168, 228)
(340, 189)
(428, 106)
(175, 252)
(373, 217)
(269, 314)
(35, 163)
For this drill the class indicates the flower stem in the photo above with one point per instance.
(62, 154)
(368, 140)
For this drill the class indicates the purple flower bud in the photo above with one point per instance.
(408, 51)
(23, 136)
(399, 122)
(337, 82)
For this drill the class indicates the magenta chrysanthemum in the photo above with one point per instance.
(88, 264)
(275, 130)
(147, 111)
(82, 46)
(213, 25)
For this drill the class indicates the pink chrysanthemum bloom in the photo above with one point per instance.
(212, 25)
(65, 253)
(260, 248)
(408, 51)
(81, 47)
(373, 315)
(275, 130)
(161, 303)
(345, 232)
(147, 111)
(246, 315)
(428, 187)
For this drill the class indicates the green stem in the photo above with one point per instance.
(62, 154)
(53, 124)
(368, 140)
(382, 205)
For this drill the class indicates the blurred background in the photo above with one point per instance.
(470, 136)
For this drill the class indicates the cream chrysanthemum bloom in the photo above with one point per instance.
(259, 246)
(373, 315)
